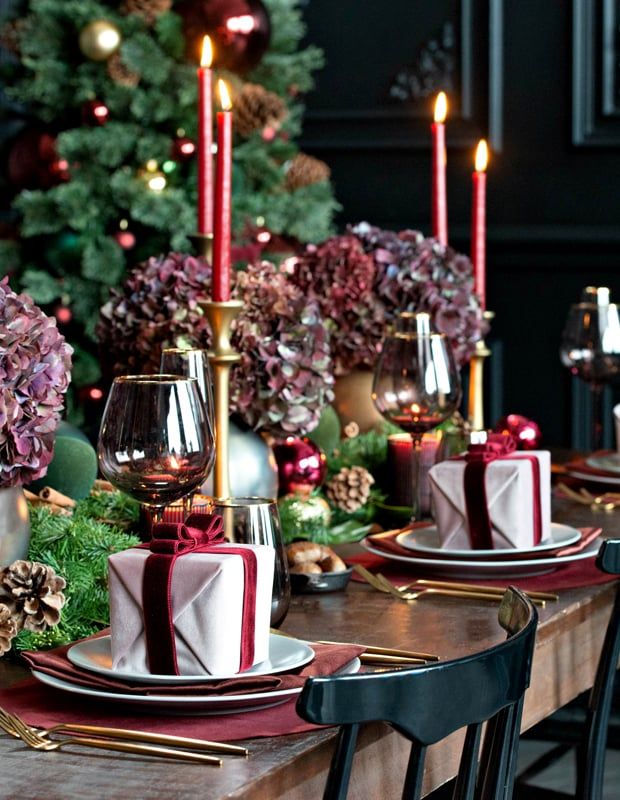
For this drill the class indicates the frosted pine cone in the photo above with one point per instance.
(349, 489)
(256, 108)
(305, 170)
(33, 594)
(8, 629)
(149, 10)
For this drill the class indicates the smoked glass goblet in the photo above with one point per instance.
(154, 442)
(416, 386)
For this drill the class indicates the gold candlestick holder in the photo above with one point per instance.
(203, 245)
(221, 357)
(475, 399)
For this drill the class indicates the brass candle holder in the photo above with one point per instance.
(221, 357)
(203, 245)
(475, 399)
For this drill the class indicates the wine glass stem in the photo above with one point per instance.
(416, 468)
(597, 416)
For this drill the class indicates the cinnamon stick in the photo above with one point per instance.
(58, 498)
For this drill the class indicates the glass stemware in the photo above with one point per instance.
(193, 363)
(154, 442)
(416, 384)
(590, 348)
(256, 520)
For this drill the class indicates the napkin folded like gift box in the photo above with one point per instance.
(509, 484)
(207, 598)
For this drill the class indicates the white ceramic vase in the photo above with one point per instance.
(14, 525)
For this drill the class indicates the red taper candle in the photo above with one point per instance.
(479, 221)
(205, 140)
(439, 200)
(223, 199)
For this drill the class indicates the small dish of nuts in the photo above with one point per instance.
(315, 567)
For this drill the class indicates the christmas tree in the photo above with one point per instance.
(101, 102)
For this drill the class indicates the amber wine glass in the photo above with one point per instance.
(155, 443)
(416, 384)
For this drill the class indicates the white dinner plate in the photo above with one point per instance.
(593, 477)
(427, 541)
(186, 704)
(95, 655)
(609, 462)
(485, 569)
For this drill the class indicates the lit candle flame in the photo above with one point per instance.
(482, 156)
(225, 100)
(415, 409)
(174, 463)
(206, 58)
(441, 107)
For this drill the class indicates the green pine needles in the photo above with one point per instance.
(77, 548)
(70, 251)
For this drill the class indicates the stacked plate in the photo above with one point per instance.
(421, 548)
(600, 467)
(94, 656)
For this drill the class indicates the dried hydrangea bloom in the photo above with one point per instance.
(35, 371)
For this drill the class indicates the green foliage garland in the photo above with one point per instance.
(77, 548)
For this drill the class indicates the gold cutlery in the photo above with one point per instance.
(15, 727)
(374, 652)
(534, 595)
(608, 501)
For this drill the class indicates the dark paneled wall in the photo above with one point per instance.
(531, 74)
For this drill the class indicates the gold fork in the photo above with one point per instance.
(15, 727)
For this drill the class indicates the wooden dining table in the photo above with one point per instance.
(294, 766)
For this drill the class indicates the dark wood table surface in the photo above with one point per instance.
(294, 766)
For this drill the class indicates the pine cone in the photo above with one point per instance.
(149, 10)
(349, 489)
(255, 108)
(10, 36)
(33, 593)
(8, 629)
(304, 171)
(120, 72)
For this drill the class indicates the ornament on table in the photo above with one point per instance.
(99, 39)
(95, 112)
(148, 10)
(302, 465)
(120, 73)
(257, 108)
(304, 517)
(526, 432)
(33, 594)
(33, 162)
(240, 30)
(349, 489)
(306, 170)
(183, 149)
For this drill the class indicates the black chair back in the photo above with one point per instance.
(428, 703)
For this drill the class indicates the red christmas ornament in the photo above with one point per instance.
(94, 112)
(525, 431)
(302, 465)
(126, 239)
(63, 314)
(33, 162)
(240, 31)
(183, 149)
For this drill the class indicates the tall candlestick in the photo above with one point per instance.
(205, 141)
(478, 221)
(223, 199)
(439, 199)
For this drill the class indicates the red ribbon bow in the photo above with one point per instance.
(496, 446)
(169, 541)
(198, 530)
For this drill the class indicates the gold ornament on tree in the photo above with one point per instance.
(149, 10)
(99, 39)
(8, 629)
(304, 171)
(33, 594)
(257, 108)
(349, 489)
(120, 73)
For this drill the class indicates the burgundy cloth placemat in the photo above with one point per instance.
(43, 706)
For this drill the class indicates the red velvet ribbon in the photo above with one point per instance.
(478, 456)
(199, 533)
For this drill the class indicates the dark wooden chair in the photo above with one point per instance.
(428, 703)
(584, 727)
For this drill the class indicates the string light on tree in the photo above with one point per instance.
(153, 177)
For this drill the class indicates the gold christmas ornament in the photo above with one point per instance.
(99, 39)
(304, 171)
